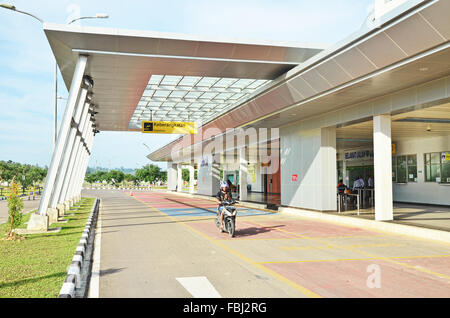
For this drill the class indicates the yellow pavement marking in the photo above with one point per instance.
(354, 259)
(328, 247)
(283, 279)
(420, 269)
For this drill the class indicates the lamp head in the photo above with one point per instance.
(8, 6)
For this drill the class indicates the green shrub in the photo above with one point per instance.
(15, 206)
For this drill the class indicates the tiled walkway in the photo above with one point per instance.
(272, 255)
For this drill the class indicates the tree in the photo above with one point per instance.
(15, 206)
(129, 177)
(8, 171)
(26, 175)
(149, 173)
(164, 176)
(90, 178)
(36, 175)
(185, 175)
(115, 177)
(101, 176)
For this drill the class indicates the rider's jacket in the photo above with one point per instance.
(223, 196)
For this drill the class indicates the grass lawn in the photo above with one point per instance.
(37, 266)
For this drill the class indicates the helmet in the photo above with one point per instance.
(224, 184)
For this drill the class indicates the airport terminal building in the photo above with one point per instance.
(282, 122)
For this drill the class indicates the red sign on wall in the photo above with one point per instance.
(294, 177)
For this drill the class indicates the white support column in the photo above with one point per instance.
(243, 167)
(79, 185)
(191, 176)
(76, 161)
(328, 170)
(208, 174)
(40, 221)
(87, 150)
(69, 152)
(75, 190)
(172, 176)
(308, 168)
(84, 133)
(179, 177)
(382, 151)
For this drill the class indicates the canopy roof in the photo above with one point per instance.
(174, 76)
(405, 48)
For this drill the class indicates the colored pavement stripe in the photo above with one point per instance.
(314, 278)
(242, 257)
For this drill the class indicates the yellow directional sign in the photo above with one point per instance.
(169, 127)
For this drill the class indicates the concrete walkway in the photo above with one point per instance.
(426, 216)
(157, 244)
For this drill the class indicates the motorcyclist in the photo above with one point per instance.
(224, 194)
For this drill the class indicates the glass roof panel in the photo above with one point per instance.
(242, 83)
(178, 94)
(224, 96)
(168, 104)
(208, 95)
(193, 95)
(196, 98)
(225, 82)
(154, 104)
(171, 80)
(189, 80)
(155, 79)
(208, 81)
(237, 96)
(148, 92)
(257, 84)
(161, 94)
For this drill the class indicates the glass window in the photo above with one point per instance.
(401, 169)
(412, 168)
(435, 173)
(435, 158)
(427, 166)
(394, 169)
(404, 168)
(437, 167)
(445, 159)
(340, 172)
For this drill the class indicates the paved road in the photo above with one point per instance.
(27, 207)
(166, 245)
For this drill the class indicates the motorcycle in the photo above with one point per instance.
(229, 217)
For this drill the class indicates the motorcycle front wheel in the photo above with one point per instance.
(230, 226)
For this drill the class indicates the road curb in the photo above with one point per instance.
(78, 275)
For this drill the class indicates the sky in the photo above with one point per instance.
(27, 63)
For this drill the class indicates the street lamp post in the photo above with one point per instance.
(13, 8)
(55, 111)
(147, 147)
